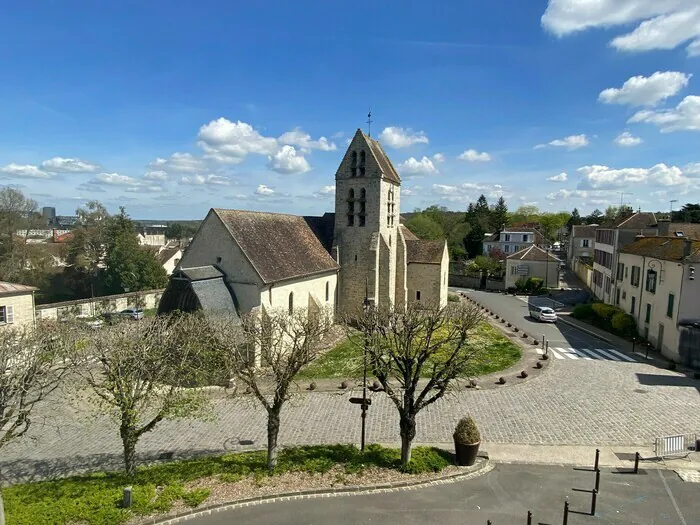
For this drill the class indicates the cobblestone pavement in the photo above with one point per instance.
(603, 403)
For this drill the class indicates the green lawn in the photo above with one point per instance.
(95, 499)
(495, 352)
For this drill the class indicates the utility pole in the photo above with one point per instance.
(672, 201)
(622, 197)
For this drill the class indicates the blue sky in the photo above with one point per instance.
(170, 108)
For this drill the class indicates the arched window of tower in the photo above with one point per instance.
(362, 163)
(353, 163)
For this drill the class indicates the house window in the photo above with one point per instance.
(516, 248)
(488, 247)
(607, 284)
(417, 295)
(651, 281)
(634, 279)
(328, 290)
(525, 237)
(669, 306)
(506, 249)
(585, 243)
(507, 237)
(626, 272)
(362, 163)
(218, 260)
(514, 270)
(291, 302)
(6, 315)
(647, 316)
(620, 271)
(634, 303)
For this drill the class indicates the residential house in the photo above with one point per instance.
(16, 305)
(659, 285)
(582, 242)
(678, 229)
(152, 236)
(609, 241)
(169, 257)
(532, 261)
(513, 239)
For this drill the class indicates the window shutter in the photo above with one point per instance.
(9, 314)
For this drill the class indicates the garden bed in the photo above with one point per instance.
(174, 487)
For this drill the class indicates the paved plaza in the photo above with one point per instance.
(606, 402)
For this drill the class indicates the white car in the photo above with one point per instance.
(543, 314)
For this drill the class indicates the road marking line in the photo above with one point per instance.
(579, 353)
(608, 354)
(623, 356)
(540, 351)
(555, 354)
(567, 354)
(673, 500)
(585, 351)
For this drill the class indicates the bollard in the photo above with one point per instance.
(488, 522)
(597, 479)
(594, 497)
(529, 517)
(597, 457)
(636, 462)
(127, 497)
(566, 513)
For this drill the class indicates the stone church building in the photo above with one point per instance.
(242, 260)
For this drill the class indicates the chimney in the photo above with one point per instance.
(664, 227)
(688, 247)
(640, 235)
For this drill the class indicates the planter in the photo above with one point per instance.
(465, 455)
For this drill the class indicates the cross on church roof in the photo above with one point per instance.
(369, 123)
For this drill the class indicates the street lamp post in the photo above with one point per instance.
(546, 271)
(366, 305)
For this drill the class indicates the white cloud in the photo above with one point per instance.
(24, 170)
(412, 166)
(126, 183)
(646, 91)
(438, 157)
(114, 179)
(286, 160)
(627, 140)
(571, 142)
(562, 177)
(156, 175)
(209, 180)
(444, 189)
(472, 155)
(406, 191)
(684, 117)
(230, 142)
(663, 24)
(328, 190)
(63, 165)
(566, 194)
(603, 177)
(692, 170)
(402, 138)
(264, 190)
(694, 49)
(179, 163)
(297, 137)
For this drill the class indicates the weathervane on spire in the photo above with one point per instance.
(369, 123)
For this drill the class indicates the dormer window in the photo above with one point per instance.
(362, 163)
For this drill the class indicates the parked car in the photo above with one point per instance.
(544, 314)
(133, 313)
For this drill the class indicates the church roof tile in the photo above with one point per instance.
(424, 252)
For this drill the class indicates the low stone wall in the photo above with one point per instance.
(109, 303)
(584, 272)
(464, 281)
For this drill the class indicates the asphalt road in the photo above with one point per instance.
(516, 312)
(503, 496)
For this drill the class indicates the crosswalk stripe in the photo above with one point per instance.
(540, 351)
(579, 353)
(623, 356)
(587, 352)
(567, 353)
(607, 354)
(555, 354)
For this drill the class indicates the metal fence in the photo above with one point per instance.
(678, 445)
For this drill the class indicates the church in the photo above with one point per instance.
(239, 261)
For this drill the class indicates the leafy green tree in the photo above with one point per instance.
(550, 223)
(499, 215)
(18, 258)
(574, 220)
(425, 228)
(174, 231)
(525, 214)
(688, 213)
(596, 217)
(86, 249)
(478, 217)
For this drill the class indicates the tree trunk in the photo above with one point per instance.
(407, 424)
(273, 429)
(129, 439)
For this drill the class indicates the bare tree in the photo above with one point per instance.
(32, 365)
(139, 375)
(267, 354)
(418, 342)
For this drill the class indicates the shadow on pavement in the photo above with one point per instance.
(666, 380)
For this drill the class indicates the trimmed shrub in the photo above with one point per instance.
(452, 298)
(604, 311)
(534, 284)
(624, 324)
(467, 432)
(521, 285)
(583, 312)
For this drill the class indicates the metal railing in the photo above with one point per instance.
(678, 445)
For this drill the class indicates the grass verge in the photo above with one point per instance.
(494, 352)
(95, 499)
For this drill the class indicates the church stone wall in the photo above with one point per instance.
(426, 279)
(276, 296)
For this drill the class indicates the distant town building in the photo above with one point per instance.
(152, 235)
(49, 215)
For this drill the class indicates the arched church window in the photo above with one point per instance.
(362, 163)
(351, 207)
(291, 302)
(353, 163)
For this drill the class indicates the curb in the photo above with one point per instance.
(483, 466)
(585, 331)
